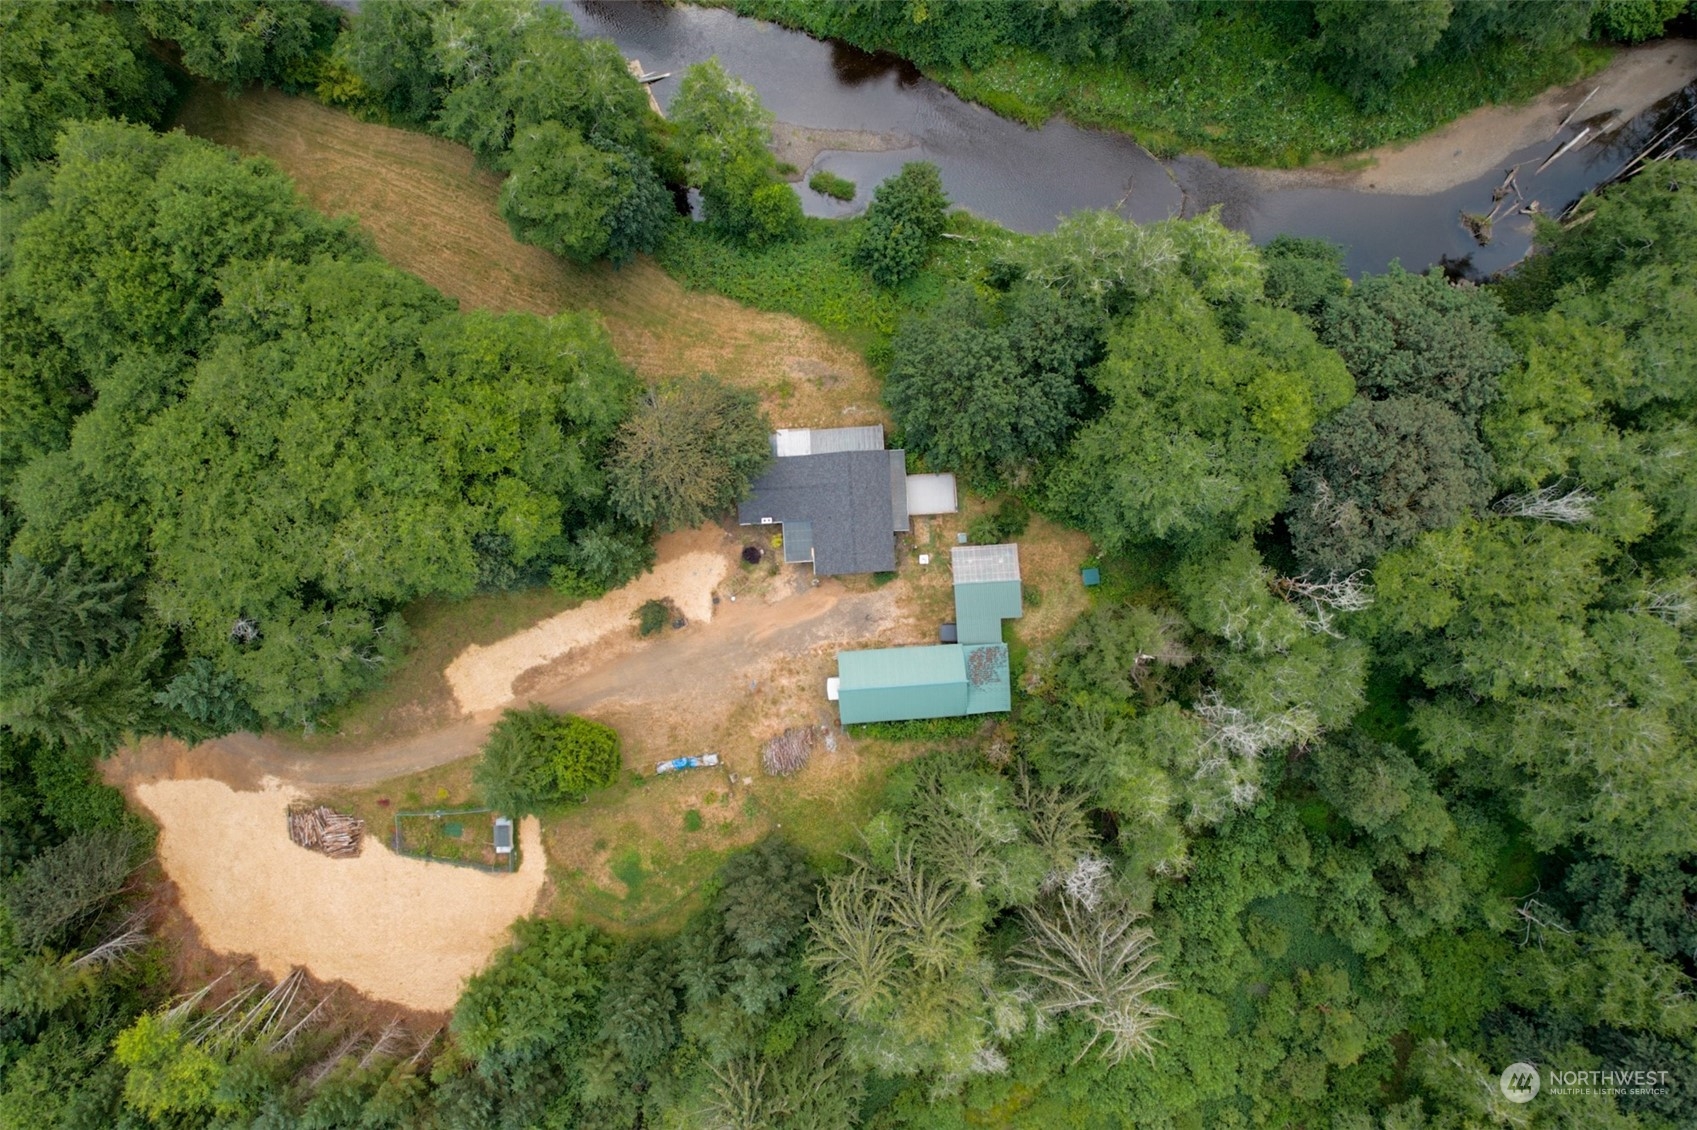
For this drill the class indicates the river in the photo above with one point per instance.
(1027, 179)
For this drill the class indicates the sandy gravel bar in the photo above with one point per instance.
(399, 929)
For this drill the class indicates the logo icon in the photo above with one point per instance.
(1520, 1083)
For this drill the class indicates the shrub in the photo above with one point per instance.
(652, 617)
(830, 184)
(917, 729)
(692, 821)
(905, 219)
(535, 757)
(751, 554)
(1005, 523)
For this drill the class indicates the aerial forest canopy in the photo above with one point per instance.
(225, 401)
(1366, 772)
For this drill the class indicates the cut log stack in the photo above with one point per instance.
(789, 751)
(320, 829)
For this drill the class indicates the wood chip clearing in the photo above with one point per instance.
(482, 677)
(402, 930)
(319, 829)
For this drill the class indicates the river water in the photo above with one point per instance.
(1028, 179)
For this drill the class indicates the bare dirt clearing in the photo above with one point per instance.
(1474, 144)
(431, 211)
(482, 677)
(399, 929)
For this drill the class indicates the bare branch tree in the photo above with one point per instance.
(130, 936)
(1095, 961)
(1239, 732)
(1550, 504)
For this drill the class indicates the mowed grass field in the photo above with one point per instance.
(432, 211)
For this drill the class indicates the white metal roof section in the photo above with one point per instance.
(931, 494)
(975, 564)
(823, 441)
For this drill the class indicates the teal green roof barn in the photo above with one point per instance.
(943, 680)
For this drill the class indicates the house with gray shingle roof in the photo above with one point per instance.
(840, 498)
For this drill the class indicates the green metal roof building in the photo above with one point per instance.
(943, 680)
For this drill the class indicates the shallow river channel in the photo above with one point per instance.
(1027, 179)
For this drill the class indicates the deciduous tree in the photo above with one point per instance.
(688, 450)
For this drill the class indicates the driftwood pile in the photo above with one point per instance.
(320, 829)
(788, 752)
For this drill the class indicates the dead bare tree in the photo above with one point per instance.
(1537, 917)
(131, 935)
(1095, 961)
(1324, 599)
(1550, 504)
(1672, 606)
(1239, 732)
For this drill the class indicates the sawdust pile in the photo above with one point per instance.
(398, 929)
(482, 676)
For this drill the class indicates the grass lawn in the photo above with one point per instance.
(415, 696)
(430, 210)
(639, 857)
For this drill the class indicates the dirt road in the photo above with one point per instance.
(714, 660)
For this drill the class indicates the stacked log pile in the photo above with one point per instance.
(788, 752)
(320, 829)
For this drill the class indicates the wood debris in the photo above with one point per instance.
(789, 751)
(319, 829)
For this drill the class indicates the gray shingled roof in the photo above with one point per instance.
(846, 497)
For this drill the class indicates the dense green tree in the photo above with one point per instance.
(390, 45)
(765, 895)
(212, 700)
(61, 615)
(525, 1022)
(1368, 47)
(1496, 606)
(1419, 335)
(688, 451)
(578, 201)
(535, 758)
(905, 218)
(638, 1007)
(1379, 473)
(66, 62)
(1646, 221)
(241, 41)
(1199, 429)
(372, 444)
(724, 133)
(991, 389)
(1303, 273)
(1632, 21)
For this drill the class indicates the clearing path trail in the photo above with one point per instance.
(704, 662)
(482, 677)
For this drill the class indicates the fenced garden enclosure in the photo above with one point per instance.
(464, 837)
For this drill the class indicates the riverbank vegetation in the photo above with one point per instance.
(1365, 774)
(1272, 84)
